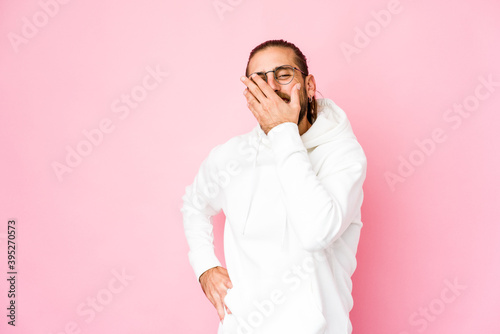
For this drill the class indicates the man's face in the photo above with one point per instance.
(272, 57)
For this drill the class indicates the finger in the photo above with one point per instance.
(252, 87)
(253, 104)
(295, 98)
(253, 109)
(220, 309)
(249, 96)
(264, 86)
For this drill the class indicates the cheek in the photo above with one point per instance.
(303, 94)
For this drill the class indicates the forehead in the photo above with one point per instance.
(270, 58)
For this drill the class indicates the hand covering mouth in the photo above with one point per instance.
(284, 98)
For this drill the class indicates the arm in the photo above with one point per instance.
(199, 207)
(201, 203)
(322, 206)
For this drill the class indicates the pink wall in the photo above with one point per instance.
(108, 229)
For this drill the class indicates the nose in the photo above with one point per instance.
(271, 81)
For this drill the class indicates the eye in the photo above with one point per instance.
(284, 73)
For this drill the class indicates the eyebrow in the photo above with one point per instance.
(261, 72)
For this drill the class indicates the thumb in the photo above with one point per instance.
(295, 98)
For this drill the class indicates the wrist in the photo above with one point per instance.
(199, 279)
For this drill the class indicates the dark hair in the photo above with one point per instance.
(301, 62)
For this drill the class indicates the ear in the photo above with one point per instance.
(310, 83)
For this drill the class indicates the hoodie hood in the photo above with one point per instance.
(331, 124)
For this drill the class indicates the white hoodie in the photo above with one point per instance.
(292, 205)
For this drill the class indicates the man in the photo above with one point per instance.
(291, 191)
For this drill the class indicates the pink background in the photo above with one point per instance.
(118, 210)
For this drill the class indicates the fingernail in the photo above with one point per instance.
(243, 78)
(298, 86)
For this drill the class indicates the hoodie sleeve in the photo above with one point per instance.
(320, 205)
(200, 203)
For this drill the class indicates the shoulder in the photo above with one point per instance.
(229, 150)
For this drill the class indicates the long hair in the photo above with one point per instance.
(301, 62)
